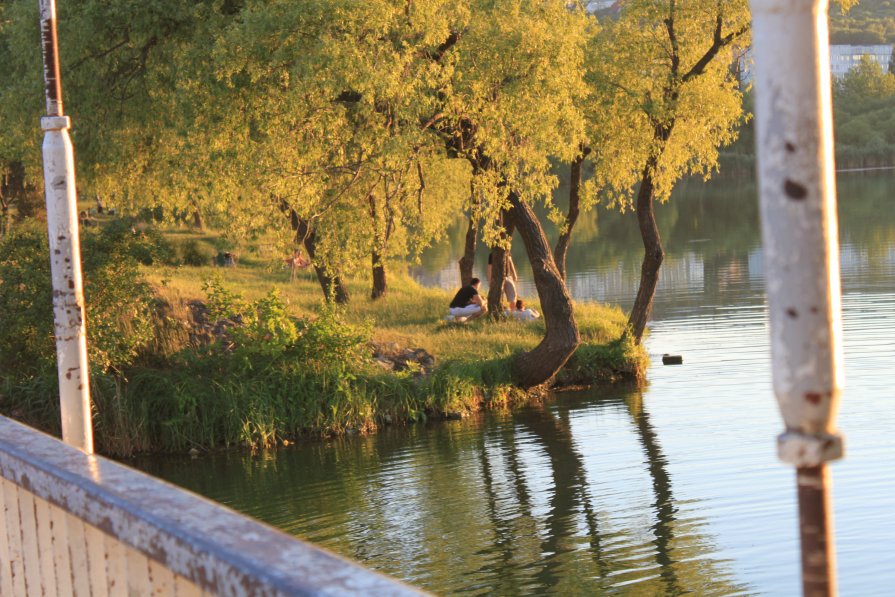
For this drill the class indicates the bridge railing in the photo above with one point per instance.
(78, 524)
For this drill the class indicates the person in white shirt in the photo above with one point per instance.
(522, 313)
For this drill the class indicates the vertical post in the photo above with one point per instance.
(800, 235)
(65, 254)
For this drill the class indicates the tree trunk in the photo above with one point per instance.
(379, 281)
(330, 282)
(562, 243)
(5, 216)
(653, 254)
(468, 260)
(495, 288)
(561, 339)
(499, 268)
(198, 224)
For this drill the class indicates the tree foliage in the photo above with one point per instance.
(366, 127)
(862, 22)
(118, 301)
(863, 102)
(668, 86)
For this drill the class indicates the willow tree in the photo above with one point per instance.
(664, 67)
(116, 62)
(329, 104)
(511, 104)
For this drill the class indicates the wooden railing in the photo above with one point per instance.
(79, 524)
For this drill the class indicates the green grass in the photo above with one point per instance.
(410, 315)
(178, 395)
(260, 406)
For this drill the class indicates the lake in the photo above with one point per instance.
(670, 488)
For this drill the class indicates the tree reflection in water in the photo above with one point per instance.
(570, 497)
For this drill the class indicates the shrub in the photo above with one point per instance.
(192, 254)
(118, 302)
(26, 303)
(126, 237)
(328, 342)
(265, 328)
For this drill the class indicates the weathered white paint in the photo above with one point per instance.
(797, 187)
(62, 564)
(30, 555)
(16, 567)
(137, 572)
(96, 560)
(5, 556)
(68, 292)
(161, 579)
(794, 133)
(65, 254)
(75, 523)
(45, 546)
(77, 551)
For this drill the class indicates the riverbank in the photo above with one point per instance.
(452, 371)
(242, 356)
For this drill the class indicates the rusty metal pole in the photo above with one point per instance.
(797, 190)
(65, 253)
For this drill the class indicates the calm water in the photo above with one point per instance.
(667, 489)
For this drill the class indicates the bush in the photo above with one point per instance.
(118, 302)
(328, 343)
(264, 328)
(126, 237)
(192, 254)
(26, 303)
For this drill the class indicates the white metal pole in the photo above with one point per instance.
(65, 254)
(797, 187)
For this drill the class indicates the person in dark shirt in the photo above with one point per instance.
(467, 302)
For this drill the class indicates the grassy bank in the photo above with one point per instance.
(291, 368)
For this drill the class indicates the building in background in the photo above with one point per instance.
(843, 58)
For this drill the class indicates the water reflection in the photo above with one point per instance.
(503, 504)
(712, 237)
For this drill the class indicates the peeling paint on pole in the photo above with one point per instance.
(798, 209)
(797, 187)
(65, 255)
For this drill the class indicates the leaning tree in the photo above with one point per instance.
(511, 104)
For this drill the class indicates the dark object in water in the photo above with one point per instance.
(672, 359)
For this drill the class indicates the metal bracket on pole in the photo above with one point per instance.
(55, 123)
(803, 450)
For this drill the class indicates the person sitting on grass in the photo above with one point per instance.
(522, 313)
(296, 262)
(467, 302)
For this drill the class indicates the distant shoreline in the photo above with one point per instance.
(867, 169)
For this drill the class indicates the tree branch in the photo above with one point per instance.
(719, 42)
(419, 192)
(672, 38)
